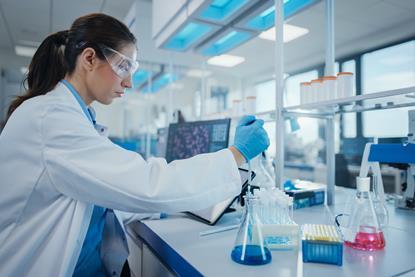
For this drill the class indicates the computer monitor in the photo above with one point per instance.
(188, 139)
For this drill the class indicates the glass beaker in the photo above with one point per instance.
(379, 202)
(249, 247)
(363, 230)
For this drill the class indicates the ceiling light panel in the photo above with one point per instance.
(226, 60)
(291, 32)
(25, 51)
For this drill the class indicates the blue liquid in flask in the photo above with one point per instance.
(253, 255)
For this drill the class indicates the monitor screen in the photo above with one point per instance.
(188, 139)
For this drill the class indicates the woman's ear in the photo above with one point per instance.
(88, 59)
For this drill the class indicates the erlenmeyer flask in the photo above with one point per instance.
(249, 248)
(379, 202)
(363, 231)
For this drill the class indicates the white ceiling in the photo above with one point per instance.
(359, 25)
(25, 21)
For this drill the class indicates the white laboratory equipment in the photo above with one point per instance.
(361, 229)
(250, 105)
(250, 247)
(276, 214)
(329, 88)
(345, 84)
(316, 90)
(305, 92)
(237, 108)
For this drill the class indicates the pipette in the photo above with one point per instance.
(249, 178)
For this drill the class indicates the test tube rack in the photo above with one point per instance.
(281, 236)
(322, 244)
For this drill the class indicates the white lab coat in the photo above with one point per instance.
(54, 167)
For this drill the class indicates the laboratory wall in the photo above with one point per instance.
(11, 76)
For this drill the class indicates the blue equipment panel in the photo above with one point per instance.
(392, 153)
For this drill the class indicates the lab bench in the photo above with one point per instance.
(173, 246)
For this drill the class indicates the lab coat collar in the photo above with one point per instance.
(90, 114)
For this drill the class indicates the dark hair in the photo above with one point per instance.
(57, 54)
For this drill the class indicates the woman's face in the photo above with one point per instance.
(104, 84)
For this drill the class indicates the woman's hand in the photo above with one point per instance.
(251, 139)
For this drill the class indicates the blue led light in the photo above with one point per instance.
(262, 21)
(160, 83)
(265, 19)
(220, 10)
(220, 3)
(188, 35)
(226, 43)
(140, 77)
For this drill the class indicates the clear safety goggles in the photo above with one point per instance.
(122, 65)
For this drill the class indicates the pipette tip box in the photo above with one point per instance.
(322, 244)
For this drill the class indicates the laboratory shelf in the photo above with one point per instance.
(325, 110)
(335, 105)
(328, 109)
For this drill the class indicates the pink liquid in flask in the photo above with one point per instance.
(368, 241)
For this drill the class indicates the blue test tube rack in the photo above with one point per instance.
(322, 244)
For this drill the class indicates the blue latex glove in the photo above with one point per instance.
(251, 139)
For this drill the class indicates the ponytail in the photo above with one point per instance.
(52, 62)
(46, 69)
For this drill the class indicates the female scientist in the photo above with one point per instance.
(67, 191)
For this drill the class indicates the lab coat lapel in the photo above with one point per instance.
(101, 129)
(114, 248)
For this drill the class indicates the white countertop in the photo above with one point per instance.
(210, 255)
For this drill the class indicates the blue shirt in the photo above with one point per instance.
(89, 261)
(90, 115)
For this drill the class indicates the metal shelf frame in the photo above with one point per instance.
(338, 106)
(353, 99)
(279, 91)
(325, 110)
